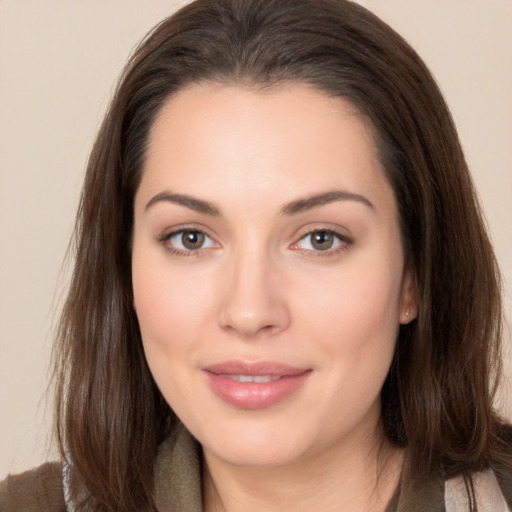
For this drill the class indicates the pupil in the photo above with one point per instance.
(193, 239)
(322, 240)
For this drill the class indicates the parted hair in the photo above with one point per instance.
(437, 399)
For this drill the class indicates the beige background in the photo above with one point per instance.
(58, 63)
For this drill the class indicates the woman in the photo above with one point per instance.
(284, 296)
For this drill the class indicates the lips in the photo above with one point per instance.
(254, 385)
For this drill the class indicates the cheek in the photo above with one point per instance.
(154, 305)
(168, 307)
(169, 301)
(354, 318)
(356, 325)
(353, 301)
(174, 310)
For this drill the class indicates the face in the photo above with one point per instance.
(268, 271)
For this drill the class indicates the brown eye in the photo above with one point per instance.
(326, 241)
(192, 240)
(322, 240)
(187, 241)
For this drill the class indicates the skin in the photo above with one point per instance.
(258, 289)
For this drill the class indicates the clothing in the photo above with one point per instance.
(39, 490)
(178, 487)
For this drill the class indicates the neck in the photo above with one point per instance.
(363, 477)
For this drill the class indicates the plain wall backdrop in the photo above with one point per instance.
(59, 61)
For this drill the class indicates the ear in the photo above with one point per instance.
(409, 301)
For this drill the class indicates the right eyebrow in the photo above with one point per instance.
(198, 205)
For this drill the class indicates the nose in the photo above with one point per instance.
(253, 297)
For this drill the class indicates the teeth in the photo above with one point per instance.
(259, 379)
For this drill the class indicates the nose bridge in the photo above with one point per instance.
(251, 299)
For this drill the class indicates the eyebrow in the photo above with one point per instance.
(295, 207)
(302, 205)
(193, 203)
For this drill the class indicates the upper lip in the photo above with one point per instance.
(254, 368)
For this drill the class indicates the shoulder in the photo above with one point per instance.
(502, 463)
(492, 486)
(38, 490)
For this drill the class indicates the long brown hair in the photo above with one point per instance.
(437, 399)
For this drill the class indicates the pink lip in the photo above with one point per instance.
(254, 395)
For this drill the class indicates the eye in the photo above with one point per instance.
(188, 240)
(322, 240)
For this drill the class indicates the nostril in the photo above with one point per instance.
(248, 324)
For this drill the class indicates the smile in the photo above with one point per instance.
(254, 385)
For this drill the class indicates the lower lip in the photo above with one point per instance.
(255, 395)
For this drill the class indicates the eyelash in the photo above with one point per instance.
(344, 241)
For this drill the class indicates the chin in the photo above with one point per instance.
(256, 445)
(257, 456)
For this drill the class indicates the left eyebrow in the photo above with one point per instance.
(302, 205)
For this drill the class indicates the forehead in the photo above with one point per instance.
(238, 142)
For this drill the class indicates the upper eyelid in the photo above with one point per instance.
(324, 230)
(169, 232)
(343, 234)
(175, 232)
